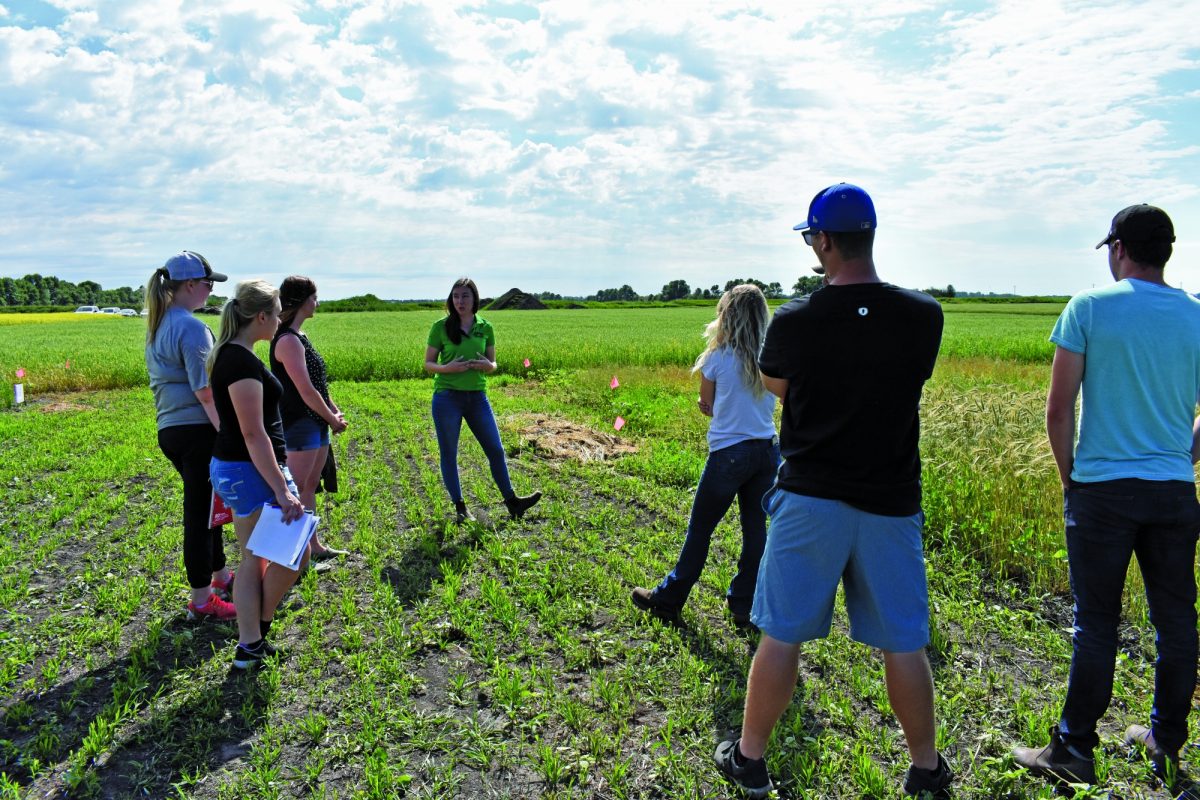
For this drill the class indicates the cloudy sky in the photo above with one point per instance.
(391, 146)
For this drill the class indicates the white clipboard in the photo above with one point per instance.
(279, 542)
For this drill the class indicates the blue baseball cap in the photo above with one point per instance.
(841, 208)
(190, 266)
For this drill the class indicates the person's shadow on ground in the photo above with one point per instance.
(105, 732)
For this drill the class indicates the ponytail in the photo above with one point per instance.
(160, 290)
(250, 298)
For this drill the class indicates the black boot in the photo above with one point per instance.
(461, 514)
(517, 506)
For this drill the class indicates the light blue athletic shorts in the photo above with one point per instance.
(812, 545)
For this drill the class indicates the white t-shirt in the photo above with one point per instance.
(737, 415)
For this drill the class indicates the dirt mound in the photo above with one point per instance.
(515, 300)
(58, 406)
(562, 439)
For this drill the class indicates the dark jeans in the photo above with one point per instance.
(1106, 523)
(450, 408)
(189, 449)
(746, 471)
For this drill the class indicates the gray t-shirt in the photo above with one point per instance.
(175, 362)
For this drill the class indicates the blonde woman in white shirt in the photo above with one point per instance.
(742, 459)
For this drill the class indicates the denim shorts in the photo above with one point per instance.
(240, 486)
(813, 544)
(306, 434)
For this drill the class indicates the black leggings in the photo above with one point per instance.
(189, 448)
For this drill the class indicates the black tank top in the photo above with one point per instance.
(291, 405)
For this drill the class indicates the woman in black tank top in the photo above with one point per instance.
(307, 411)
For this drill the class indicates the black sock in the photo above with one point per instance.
(739, 759)
(264, 627)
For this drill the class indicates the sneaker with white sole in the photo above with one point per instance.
(251, 657)
(215, 607)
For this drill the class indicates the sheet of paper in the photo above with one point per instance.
(279, 542)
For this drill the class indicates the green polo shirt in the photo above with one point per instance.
(473, 345)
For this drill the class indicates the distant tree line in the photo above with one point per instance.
(48, 291)
(679, 289)
(35, 290)
(369, 302)
(937, 291)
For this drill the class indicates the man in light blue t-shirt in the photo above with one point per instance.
(1133, 348)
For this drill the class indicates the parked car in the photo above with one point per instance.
(145, 312)
(110, 310)
(128, 312)
(87, 310)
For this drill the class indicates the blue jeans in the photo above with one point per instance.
(450, 408)
(746, 471)
(1106, 523)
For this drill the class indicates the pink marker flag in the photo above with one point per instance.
(21, 372)
(527, 363)
(620, 423)
(68, 363)
(614, 383)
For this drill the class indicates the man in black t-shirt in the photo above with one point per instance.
(849, 362)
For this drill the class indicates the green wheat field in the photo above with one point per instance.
(504, 659)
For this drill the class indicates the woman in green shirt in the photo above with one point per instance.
(460, 352)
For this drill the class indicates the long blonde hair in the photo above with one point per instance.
(249, 299)
(160, 291)
(740, 325)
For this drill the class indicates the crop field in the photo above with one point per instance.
(69, 352)
(504, 659)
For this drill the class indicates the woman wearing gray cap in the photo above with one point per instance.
(177, 345)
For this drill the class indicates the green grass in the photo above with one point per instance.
(501, 659)
(107, 353)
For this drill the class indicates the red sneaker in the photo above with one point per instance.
(226, 588)
(215, 607)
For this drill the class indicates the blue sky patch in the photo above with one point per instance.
(32, 14)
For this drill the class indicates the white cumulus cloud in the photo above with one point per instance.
(570, 147)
